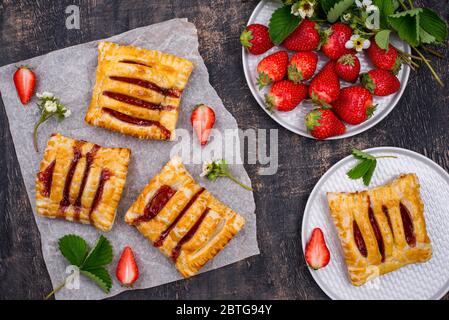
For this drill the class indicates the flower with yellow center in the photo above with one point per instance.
(358, 43)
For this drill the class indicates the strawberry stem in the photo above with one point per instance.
(244, 186)
(59, 287)
(433, 52)
(41, 121)
(432, 70)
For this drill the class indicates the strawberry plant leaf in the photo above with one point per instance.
(360, 169)
(369, 174)
(100, 255)
(386, 8)
(406, 24)
(73, 248)
(432, 27)
(100, 276)
(338, 9)
(359, 154)
(282, 24)
(382, 39)
(326, 5)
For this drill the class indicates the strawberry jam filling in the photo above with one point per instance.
(138, 122)
(159, 242)
(377, 233)
(359, 240)
(65, 201)
(408, 225)
(189, 235)
(104, 177)
(90, 156)
(135, 101)
(149, 85)
(46, 177)
(157, 202)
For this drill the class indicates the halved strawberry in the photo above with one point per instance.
(25, 81)
(203, 119)
(317, 254)
(127, 271)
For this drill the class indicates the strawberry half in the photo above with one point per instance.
(272, 68)
(255, 39)
(203, 119)
(127, 271)
(317, 254)
(25, 82)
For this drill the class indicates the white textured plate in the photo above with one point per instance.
(294, 120)
(429, 280)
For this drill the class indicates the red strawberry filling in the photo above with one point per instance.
(46, 177)
(135, 101)
(408, 225)
(157, 202)
(104, 177)
(149, 85)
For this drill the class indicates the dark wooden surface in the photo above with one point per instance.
(31, 28)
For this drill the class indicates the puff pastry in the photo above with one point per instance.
(138, 91)
(183, 219)
(382, 229)
(81, 181)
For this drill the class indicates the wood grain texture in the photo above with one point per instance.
(31, 28)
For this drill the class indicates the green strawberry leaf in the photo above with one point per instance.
(382, 39)
(386, 8)
(326, 5)
(282, 24)
(338, 9)
(359, 154)
(369, 174)
(73, 248)
(100, 255)
(432, 29)
(360, 169)
(406, 24)
(100, 276)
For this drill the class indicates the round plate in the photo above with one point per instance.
(294, 120)
(429, 280)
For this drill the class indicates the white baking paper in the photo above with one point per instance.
(70, 74)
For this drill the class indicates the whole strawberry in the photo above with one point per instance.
(302, 66)
(355, 105)
(384, 59)
(334, 40)
(272, 68)
(348, 67)
(305, 37)
(255, 39)
(380, 82)
(325, 87)
(323, 123)
(285, 95)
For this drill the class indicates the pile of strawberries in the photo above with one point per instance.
(289, 77)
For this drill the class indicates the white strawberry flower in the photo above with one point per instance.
(67, 113)
(363, 4)
(358, 43)
(304, 8)
(50, 106)
(207, 168)
(45, 95)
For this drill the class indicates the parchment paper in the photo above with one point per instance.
(70, 74)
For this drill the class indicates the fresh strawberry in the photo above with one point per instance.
(285, 95)
(348, 67)
(203, 119)
(334, 40)
(384, 59)
(354, 105)
(302, 66)
(380, 82)
(255, 39)
(272, 68)
(305, 37)
(127, 271)
(325, 87)
(317, 254)
(25, 81)
(323, 123)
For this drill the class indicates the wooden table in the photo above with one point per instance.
(31, 28)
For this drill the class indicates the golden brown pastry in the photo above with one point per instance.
(382, 229)
(138, 91)
(81, 181)
(183, 219)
